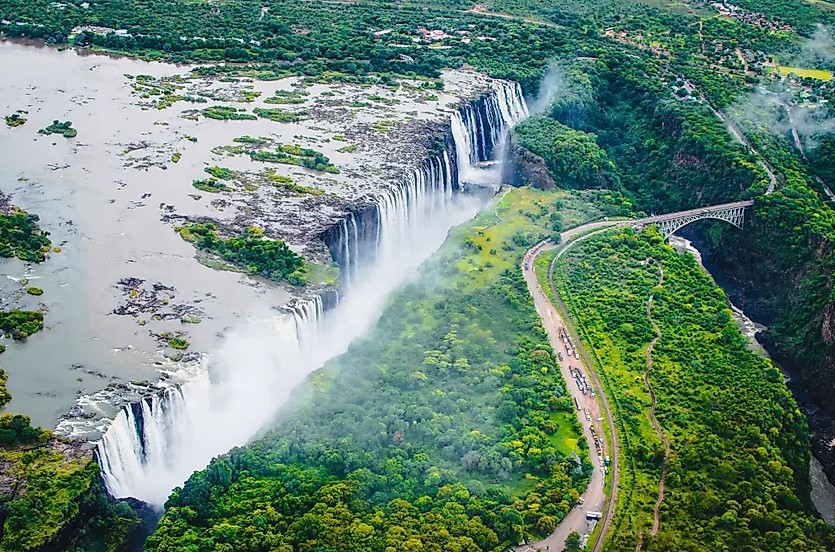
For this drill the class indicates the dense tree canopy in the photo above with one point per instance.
(448, 428)
(739, 445)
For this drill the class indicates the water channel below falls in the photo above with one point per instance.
(823, 491)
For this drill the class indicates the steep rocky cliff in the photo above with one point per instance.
(523, 168)
(52, 498)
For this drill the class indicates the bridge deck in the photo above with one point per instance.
(692, 212)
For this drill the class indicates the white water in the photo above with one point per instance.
(479, 134)
(155, 445)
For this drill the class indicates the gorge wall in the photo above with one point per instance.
(672, 155)
(154, 444)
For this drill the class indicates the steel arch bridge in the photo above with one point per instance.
(669, 224)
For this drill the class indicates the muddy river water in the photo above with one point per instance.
(111, 196)
(106, 221)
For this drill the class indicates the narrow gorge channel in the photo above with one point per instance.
(822, 490)
(154, 444)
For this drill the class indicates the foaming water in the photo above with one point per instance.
(480, 130)
(157, 443)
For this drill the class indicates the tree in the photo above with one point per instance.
(574, 541)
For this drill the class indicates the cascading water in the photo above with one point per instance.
(155, 444)
(479, 130)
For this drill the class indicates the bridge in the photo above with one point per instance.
(732, 213)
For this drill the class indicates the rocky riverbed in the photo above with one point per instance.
(123, 283)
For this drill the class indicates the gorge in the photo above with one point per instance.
(155, 444)
(279, 305)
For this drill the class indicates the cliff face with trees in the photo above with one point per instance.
(670, 154)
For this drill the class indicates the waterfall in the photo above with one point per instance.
(153, 445)
(156, 443)
(479, 131)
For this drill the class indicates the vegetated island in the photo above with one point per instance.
(20, 235)
(250, 252)
(16, 119)
(57, 127)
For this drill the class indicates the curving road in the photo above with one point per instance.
(594, 498)
(557, 326)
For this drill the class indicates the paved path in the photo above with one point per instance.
(559, 335)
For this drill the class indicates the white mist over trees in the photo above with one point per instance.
(157, 444)
(255, 371)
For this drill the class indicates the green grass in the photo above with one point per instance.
(519, 220)
(819, 74)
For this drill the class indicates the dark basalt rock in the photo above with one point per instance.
(525, 168)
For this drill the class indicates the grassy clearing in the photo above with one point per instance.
(819, 74)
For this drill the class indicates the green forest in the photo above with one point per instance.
(739, 444)
(251, 252)
(447, 428)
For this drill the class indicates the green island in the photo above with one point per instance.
(65, 129)
(178, 343)
(221, 173)
(18, 325)
(267, 150)
(279, 115)
(20, 235)
(288, 97)
(227, 113)
(16, 119)
(739, 443)
(211, 185)
(287, 183)
(251, 252)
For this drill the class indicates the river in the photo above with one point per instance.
(823, 491)
(111, 196)
(105, 217)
